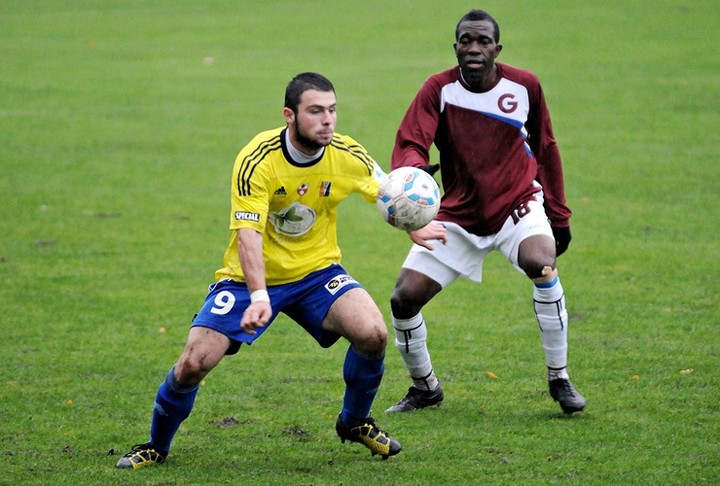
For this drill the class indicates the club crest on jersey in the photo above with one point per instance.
(303, 188)
(325, 188)
(338, 282)
(294, 220)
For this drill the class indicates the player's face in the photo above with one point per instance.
(312, 127)
(476, 51)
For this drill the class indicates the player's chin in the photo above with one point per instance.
(324, 138)
(473, 71)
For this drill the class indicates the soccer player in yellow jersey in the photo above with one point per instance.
(283, 256)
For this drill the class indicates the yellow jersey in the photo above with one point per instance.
(294, 205)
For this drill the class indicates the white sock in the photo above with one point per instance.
(552, 317)
(554, 374)
(411, 341)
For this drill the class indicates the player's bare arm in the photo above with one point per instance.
(258, 313)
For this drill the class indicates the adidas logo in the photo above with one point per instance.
(281, 191)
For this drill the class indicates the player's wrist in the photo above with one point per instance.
(260, 295)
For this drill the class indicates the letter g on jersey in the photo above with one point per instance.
(507, 103)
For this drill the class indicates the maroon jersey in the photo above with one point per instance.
(497, 148)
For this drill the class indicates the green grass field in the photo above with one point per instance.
(119, 123)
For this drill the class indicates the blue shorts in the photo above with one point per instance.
(306, 301)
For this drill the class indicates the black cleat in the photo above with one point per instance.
(372, 437)
(141, 455)
(417, 398)
(565, 393)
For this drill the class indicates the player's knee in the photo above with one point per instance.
(405, 303)
(379, 337)
(536, 255)
(190, 370)
(412, 291)
(398, 305)
(372, 342)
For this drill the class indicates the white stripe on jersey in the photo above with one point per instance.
(493, 103)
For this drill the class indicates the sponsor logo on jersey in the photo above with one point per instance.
(338, 282)
(325, 188)
(303, 188)
(245, 216)
(294, 220)
(281, 191)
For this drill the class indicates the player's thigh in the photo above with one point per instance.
(355, 316)
(530, 233)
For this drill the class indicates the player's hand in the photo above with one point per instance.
(429, 232)
(562, 239)
(255, 316)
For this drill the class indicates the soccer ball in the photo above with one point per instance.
(409, 198)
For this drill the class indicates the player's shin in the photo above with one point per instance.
(362, 375)
(552, 317)
(172, 405)
(411, 341)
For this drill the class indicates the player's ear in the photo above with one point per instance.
(498, 48)
(289, 115)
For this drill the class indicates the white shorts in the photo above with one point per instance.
(463, 254)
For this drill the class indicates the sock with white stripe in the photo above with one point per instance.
(552, 317)
(411, 341)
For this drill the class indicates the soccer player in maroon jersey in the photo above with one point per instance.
(503, 190)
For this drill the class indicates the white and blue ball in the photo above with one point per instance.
(409, 198)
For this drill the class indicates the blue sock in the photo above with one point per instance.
(362, 379)
(173, 404)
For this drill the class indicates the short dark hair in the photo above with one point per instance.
(478, 15)
(303, 82)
